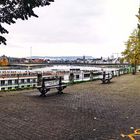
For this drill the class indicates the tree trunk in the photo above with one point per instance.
(135, 68)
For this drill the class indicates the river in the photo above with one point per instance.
(70, 67)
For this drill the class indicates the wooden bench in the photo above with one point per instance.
(45, 84)
(106, 77)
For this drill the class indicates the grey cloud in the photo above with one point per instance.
(65, 21)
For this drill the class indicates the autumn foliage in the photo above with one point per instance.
(132, 52)
(4, 61)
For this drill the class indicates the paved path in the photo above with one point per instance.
(87, 111)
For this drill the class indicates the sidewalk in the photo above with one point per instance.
(86, 111)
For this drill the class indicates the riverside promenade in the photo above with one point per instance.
(86, 111)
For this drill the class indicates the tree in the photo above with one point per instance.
(138, 16)
(132, 52)
(11, 10)
(4, 61)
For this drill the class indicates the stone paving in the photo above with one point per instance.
(86, 111)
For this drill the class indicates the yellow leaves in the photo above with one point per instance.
(138, 16)
(132, 52)
(4, 61)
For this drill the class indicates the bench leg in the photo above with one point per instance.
(60, 89)
(42, 94)
(43, 91)
(103, 81)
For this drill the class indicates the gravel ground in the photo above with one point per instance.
(86, 111)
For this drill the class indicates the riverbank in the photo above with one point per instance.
(86, 111)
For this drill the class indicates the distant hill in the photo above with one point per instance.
(61, 57)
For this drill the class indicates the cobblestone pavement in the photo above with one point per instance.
(86, 111)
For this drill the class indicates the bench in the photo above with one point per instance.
(45, 84)
(106, 77)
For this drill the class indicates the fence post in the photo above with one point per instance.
(91, 75)
(104, 74)
(112, 73)
(71, 77)
(18, 80)
(39, 79)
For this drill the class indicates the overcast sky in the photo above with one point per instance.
(74, 28)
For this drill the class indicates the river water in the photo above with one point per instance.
(70, 67)
(56, 68)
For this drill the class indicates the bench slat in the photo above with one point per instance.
(54, 86)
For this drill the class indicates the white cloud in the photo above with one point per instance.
(74, 27)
